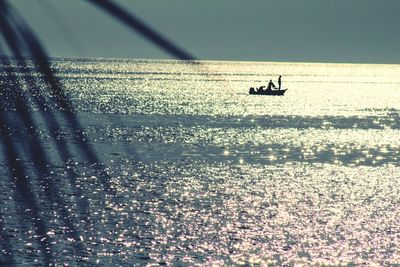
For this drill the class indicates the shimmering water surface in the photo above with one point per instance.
(197, 172)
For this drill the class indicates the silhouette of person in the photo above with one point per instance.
(279, 82)
(271, 85)
(261, 89)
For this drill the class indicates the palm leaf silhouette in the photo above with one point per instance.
(19, 139)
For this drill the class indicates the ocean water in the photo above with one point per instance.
(173, 163)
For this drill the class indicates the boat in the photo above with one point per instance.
(261, 91)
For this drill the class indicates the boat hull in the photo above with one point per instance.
(268, 92)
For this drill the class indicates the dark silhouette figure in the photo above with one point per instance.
(280, 82)
(261, 89)
(271, 85)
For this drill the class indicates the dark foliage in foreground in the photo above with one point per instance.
(19, 140)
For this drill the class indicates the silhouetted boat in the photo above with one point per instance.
(259, 91)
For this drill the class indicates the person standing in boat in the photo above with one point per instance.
(279, 82)
(271, 85)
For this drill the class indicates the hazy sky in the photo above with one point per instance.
(267, 30)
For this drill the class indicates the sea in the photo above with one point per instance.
(167, 162)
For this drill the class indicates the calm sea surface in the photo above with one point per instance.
(180, 166)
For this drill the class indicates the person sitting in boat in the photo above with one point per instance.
(271, 85)
(261, 89)
(252, 91)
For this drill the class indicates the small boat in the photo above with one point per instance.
(261, 91)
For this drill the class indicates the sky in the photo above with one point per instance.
(353, 31)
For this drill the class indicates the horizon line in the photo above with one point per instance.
(205, 59)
